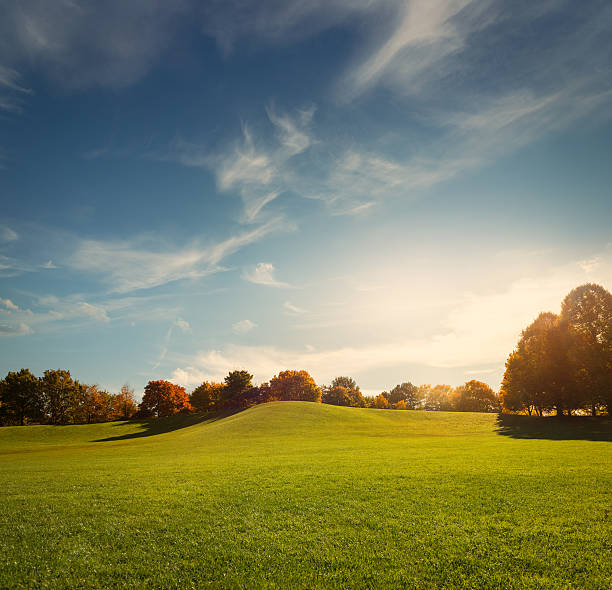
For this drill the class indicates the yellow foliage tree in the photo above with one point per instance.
(293, 386)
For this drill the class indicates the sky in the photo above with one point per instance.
(390, 190)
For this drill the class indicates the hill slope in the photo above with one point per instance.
(295, 494)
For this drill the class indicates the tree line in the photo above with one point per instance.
(563, 363)
(56, 398)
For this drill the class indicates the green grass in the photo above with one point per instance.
(295, 494)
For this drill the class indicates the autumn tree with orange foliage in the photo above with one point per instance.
(96, 405)
(124, 403)
(293, 386)
(162, 398)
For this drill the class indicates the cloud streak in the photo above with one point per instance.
(20, 329)
(263, 274)
(129, 266)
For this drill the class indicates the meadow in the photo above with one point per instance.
(298, 494)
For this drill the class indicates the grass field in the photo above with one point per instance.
(296, 494)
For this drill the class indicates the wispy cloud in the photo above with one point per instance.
(243, 326)
(7, 234)
(293, 308)
(183, 326)
(11, 90)
(52, 309)
(93, 311)
(258, 170)
(291, 131)
(263, 274)
(8, 305)
(19, 329)
(10, 79)
(128, 266)
(11, 267)
(424, 35)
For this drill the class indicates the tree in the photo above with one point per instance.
(540, 373)
(400, 405)
(476, 396)
(347, 382)
(249, 397)
(587, 312)
(381, 402)
(20, 398)
(294, 386)
(124, 403)
(162, 398)
(514, 395)
(437, 398)
(343, 391)
(407, 392)
(95, 405)
(60, 396)
(236, 383)
(207, 396)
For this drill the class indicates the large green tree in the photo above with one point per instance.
(20, 398)
(539, 373)
(236, 383)
(587, 313)
(207, 396)
(60, 396)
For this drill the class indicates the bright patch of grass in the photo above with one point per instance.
(295, 494)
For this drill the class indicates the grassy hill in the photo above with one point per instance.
(296, 494)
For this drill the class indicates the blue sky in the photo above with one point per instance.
(389, 190)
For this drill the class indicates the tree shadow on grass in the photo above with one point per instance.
(155, 426)
(555, 428)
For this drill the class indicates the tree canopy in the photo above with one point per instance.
(343, 391)
(563, 362)
(294, 386)
(476, 396)
(162, 398)
(207, 396)
(20, 398)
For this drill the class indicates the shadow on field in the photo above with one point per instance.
(555, 428)
(154, 426)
